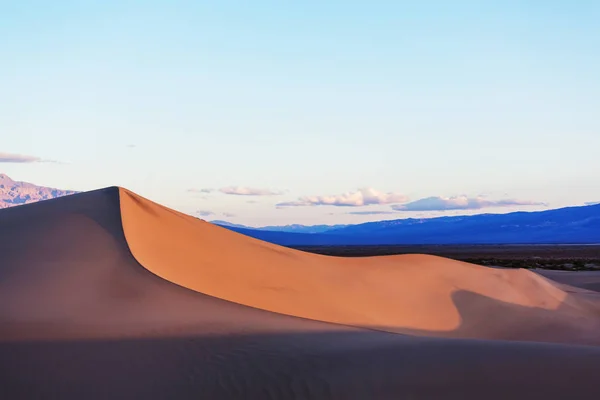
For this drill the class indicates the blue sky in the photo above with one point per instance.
(312, 112)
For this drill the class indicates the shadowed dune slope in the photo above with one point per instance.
(589, 280)
(80, 318)
(67, 273)
(404, 294)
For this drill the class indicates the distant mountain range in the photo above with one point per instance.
(569, 225)
(13, 193)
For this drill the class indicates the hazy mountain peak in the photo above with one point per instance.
(5, 178)
(13, 193)
(227, 224)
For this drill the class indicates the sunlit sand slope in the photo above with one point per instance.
(407, 294)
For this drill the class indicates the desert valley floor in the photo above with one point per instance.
(107, 295)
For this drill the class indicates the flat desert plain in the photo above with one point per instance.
(107, 295)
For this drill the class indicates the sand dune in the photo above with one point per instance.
(108, 295)
(394, 293)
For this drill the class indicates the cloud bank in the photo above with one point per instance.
(18, 158)
(361, 197)
(200, 190)
(248, 191)
(204, 213)
(24, 159)
(208, 213)
(372, 212)
(461, 203)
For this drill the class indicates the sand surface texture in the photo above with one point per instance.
(106, 295)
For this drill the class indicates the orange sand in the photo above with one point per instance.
(402, 294)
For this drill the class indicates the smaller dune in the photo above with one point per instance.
(589, 280)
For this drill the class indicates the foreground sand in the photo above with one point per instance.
(108, 295)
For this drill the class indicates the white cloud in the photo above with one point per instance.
(361, 197)
(461, 203)
(372, 212)
(201, 190)
(204, 213)
(592, 203)
(18, 158)
(248, 191)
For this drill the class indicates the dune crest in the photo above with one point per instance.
(403, 294)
